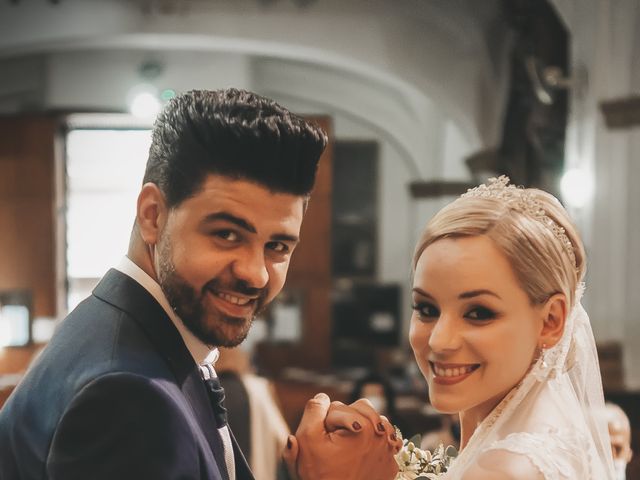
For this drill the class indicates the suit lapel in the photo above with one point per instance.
(123, 292)
(126, 294)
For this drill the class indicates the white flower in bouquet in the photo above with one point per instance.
(415, 463)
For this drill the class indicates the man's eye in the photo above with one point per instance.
(228, 235)
(278, 247)
(425, 310)
(481, 313)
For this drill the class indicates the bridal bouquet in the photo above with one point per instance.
(417, 464)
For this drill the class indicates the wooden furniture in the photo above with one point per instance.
(27, 226)
(27, 233)
(310, 277)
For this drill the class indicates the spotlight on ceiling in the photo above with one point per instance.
(143, 101)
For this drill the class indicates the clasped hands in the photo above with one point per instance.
(335, 441)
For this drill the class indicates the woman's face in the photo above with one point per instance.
(474, 331)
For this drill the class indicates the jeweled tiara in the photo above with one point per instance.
(521, 200)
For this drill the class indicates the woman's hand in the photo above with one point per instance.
(350, 442)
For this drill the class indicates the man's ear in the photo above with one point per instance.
(151, 214)
(554, 313)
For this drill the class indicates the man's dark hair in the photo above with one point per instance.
(234, 133)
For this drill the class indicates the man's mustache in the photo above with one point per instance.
(238, 286)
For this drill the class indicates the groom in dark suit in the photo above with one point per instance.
(126, 388)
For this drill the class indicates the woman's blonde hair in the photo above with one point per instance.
(541, 256)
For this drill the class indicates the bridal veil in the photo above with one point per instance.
(552, 424)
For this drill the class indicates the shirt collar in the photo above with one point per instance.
(201, 352)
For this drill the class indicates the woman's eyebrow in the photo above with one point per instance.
(475, 293)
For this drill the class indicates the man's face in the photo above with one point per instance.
(223, 254)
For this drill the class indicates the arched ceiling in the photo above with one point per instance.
(433, 55)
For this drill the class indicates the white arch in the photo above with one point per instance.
(429, 54)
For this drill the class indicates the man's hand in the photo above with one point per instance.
(335, 441)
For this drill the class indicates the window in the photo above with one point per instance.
(104, 174)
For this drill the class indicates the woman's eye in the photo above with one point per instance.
(481, 313)
(425, 310)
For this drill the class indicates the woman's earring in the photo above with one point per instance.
(541, 370)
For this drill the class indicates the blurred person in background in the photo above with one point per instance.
(379, 391)
(253, 413)
(620, 433)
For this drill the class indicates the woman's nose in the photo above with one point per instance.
(445, 335)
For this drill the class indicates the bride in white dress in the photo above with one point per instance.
(500, 335)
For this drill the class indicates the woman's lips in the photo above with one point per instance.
(451, 373)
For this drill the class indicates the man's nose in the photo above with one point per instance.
(251, 268)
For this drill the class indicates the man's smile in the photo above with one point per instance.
(234, 298)
(233, 304)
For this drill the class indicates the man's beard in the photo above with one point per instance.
(189, 305)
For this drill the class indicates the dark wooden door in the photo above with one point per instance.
(309, 277)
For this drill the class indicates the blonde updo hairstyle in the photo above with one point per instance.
(538, 258)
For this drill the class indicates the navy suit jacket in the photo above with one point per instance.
(114, 395)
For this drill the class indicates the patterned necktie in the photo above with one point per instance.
(216, 397)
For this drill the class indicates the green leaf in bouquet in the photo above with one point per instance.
(451, 451)
(416, 439)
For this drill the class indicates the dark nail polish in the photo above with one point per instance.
(289, 444)
(381, 427)
(356, 426)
